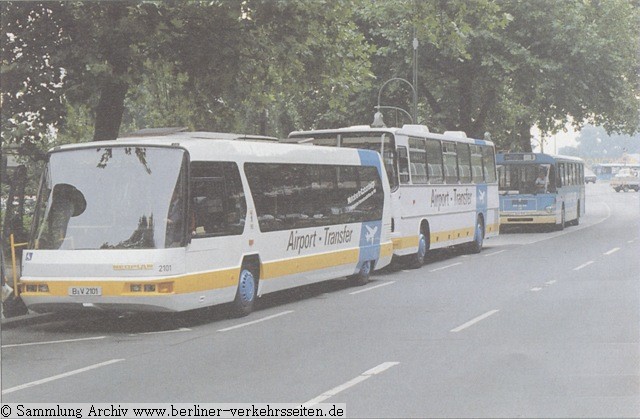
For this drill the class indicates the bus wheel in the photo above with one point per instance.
(625, 188)
(416, 260)
(560, 226)
(362, 277)
(246, 293)
(576, 222)
(478, 238)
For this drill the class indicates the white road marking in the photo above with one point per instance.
(59, 376)
(52, 342)
(536, 289)
(474, 321)
(495, 253)
(226, 329)
(364, 376)
(631, 241)
(372, 288)
(446, 267)
(615, 249)
(553, 281)
(584, 265)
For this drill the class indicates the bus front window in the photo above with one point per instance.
(112, 198)
(526, 178)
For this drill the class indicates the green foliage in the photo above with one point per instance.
(29, 72)
(272, 66)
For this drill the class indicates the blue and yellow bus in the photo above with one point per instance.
(443, 185)
(538, 188)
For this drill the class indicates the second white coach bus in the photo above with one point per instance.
(444, 189)
(187, 220)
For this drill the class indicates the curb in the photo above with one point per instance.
(25, 320)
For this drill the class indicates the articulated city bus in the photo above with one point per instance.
(444, 189)
(187, 220)
(542, 189)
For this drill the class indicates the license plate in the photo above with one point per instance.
(85, 291)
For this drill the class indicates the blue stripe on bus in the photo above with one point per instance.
(481, 199)
(370, 158)
(370, 231)
(369, 242)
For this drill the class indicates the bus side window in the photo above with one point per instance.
(434, 161)
(218, 203)
(450, 162)
(560, 177)
(553, 178)
(403, 164)
(488, 162)
(464, 162)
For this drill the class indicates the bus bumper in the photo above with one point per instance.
(528, 218)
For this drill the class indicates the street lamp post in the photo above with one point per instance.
(378, 114)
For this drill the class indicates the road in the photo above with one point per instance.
(540, 324)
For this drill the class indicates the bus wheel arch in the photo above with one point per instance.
(248, 281)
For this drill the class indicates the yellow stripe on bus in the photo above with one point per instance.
(441, 237)
(210, 280)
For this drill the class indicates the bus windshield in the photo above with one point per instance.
(123, 197)
(526, 178)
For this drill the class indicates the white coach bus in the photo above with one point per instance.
(444, 188)
(187, 220)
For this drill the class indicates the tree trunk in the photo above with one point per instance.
(110, 110)
(524, 135)
(115, 49)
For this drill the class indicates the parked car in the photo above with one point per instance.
(589, 176)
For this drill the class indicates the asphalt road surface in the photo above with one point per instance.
(540, 324)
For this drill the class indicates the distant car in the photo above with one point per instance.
(589, 176)
(625, 179)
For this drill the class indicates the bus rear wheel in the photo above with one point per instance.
(478, 239)
(563, 220)
(362, 277)
(416, 260)
(246, 293)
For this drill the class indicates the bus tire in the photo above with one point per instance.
(246, 293)
(625, 188)
(563, 220)
(478, 238)
(577, 220)
(362, 277)
(416, 260)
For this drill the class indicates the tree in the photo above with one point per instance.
(29, 74)
(506, 66)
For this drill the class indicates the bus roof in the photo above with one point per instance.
(228, 148)
(407, 129)
(527, 158)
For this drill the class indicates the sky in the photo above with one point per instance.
(555, 142)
